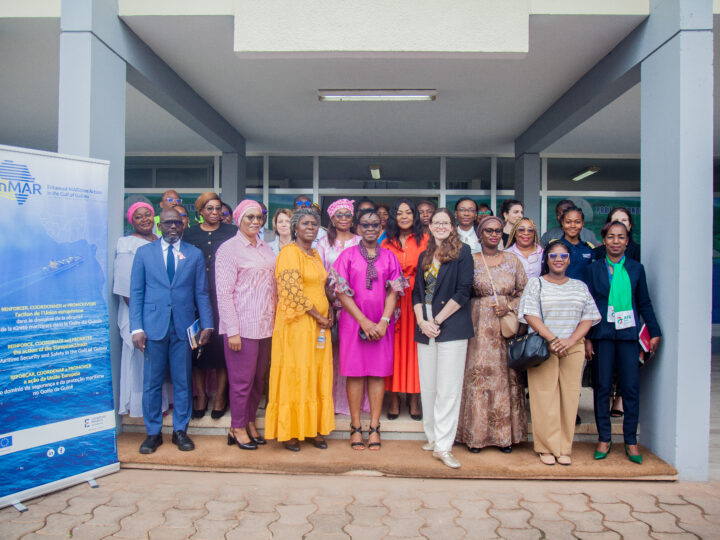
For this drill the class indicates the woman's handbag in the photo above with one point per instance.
(509, 324)
(529, 350)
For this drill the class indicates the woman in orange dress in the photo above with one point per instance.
(406, 239)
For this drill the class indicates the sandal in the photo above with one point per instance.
(356, 445)
(374, 445)
(547, 459)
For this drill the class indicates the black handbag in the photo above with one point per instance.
(529, 350)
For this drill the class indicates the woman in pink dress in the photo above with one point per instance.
(339, 238)
(367, 279)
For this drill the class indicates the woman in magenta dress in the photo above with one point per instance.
(367, 280)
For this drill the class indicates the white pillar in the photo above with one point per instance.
(677, 228)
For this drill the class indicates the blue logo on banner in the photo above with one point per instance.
(16, 182)
(6, 442)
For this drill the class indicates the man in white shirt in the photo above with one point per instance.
(466, 217)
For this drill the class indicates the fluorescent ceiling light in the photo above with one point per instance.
(375, 172)
(585, 173)
(377, 95)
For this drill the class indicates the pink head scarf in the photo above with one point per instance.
(243, 207)
(135, 206)
(339, 205)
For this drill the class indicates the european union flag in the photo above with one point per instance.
(6, 442)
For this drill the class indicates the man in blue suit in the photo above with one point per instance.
(167, 286)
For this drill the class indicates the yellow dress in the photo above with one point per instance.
(300, 402)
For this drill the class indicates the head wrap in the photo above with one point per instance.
(487, 219)
(339, 205)
(243, 207)
(203, 199)
(135, 206)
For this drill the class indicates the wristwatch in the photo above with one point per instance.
(386, 319)
(435, 321)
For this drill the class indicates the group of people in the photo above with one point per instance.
(409, 299)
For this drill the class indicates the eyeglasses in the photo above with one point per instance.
(213, 208)
(347, 215)
(440, 223)
(172, 222)
(225, 213)
(303, 203)
(492, 231)
(171, 200)
(562, 256)
(466, 210)
(254, 217)
(526, 230)
(367, 226)
(484, 212)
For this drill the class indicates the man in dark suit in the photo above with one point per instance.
(167, 286)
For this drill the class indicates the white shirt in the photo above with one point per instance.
(470, 238)
(176, 251)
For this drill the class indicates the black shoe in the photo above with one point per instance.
(319, 442)
(292, 446)
(259, 440)
(392, 416)
(215, 414)
(416, 416)
(182, 441)
(474, 450)
(505, 449)
(199, 413)
(243, 446)
(150, 444)
(577, 420)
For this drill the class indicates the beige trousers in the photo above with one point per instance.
(554, 395)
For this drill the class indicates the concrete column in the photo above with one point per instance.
(232, 178)
(677, 227)
(527, 184)
(91, 122)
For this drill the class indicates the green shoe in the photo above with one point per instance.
(635, 459)
(602, 455)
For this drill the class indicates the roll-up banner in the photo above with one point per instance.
(57, 425)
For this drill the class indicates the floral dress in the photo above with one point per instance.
(492, 410)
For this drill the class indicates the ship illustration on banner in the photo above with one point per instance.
(16, 182)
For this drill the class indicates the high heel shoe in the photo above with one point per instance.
(356, 445)
(259, 440)
(217, 414)
(602, 455)
(199, 413)
(635, 458)
(417, 416)
(243, 446)
(374, 445)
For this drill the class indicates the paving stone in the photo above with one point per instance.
(709, 503)
(369, 498)
(155, 506)
(512, 519)
(87, 531)
(301, 496)
(557, 530)
(294, 514)
(62, 524)
(403, 508)
(138, 524)
(85, 504)
(366, 516)
(703, 529)
(331, 505)
(572, 502)
(194, 500)
(535, 494)
(588, 521)
(678, 536)
(222, 511)
(640, 502)
(170, 533)
(635, 530)
(435, 499)
(111, 515)
(253, 526)
(503, 501)
(212, 529)
(605, 535)
(365, 531)
(685, 512)
(264, 502)
(329, 523)
(15, 529)
(660, 522)
(440, 523)
(614, 511)
(545, 511)
(602, 496)
(39, 510)
(403, 526)
(233, 494)
(472, 509)
(317, 535)
(519, 534)
(668, 497)
(182, 518)
(478, 528)
(48, 536)
(125, 498)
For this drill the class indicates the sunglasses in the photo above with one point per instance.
(213, 208)
(561, 256)
(493, 231)
(526, 230)
(367, 226)
(303, 203)
(171, 200)
(347, 215)
(171, 222)
(484, 212)
(252, 218)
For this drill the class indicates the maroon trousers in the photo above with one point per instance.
(246, 377)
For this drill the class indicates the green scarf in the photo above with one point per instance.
(620, 297)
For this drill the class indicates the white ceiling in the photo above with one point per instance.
(482, 106)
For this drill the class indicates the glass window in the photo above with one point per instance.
(291, 172)
(183, 177)
(395, 173)
(596, 210)
(505, 173)
(254, 172)
(467, 173)
(451, 200)
(138, 177)
(172, 172)
(612, 174)
(276, 201)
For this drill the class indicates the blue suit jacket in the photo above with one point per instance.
(598, 282)
(153, 298)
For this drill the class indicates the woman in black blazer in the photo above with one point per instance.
(616, 343)
(440, 301)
